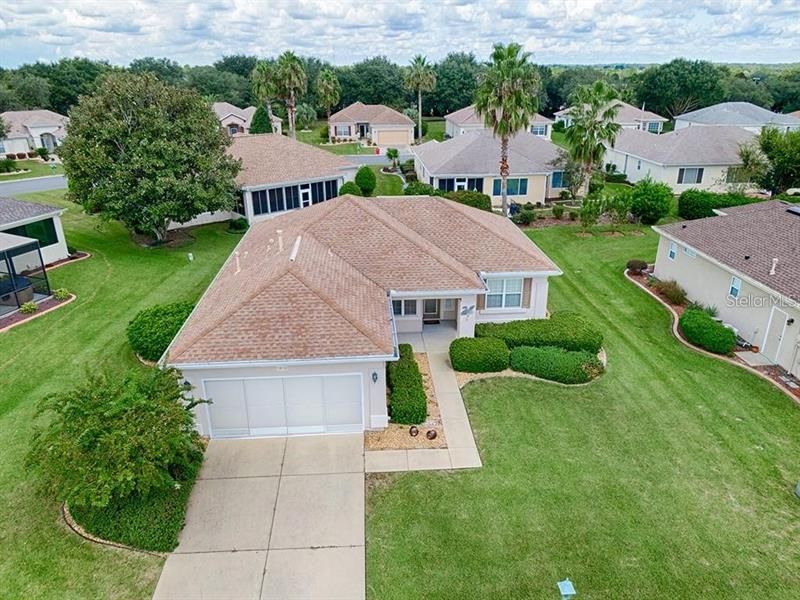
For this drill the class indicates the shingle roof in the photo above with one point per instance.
(478, 153)
(468, 116)
(762, 231)
(13, 211)
(627, 114)
(18, 121)
(332, 301)
(223, 109)
(738, 113)
(270, 158)
(694, 146)
(374, 114)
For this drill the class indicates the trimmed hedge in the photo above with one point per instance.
(408, 403)
(479, 355)
(698, 204)
(350, 187)
(566, 330)
(151, 331)
(471, 198)
(702, 330)
(556, 364)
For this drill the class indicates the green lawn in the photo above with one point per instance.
(558, 138)
(388, 185)
(671, 476)
(312, 136)
(36, 167)
(41, 559)
(435, 129)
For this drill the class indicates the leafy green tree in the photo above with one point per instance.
(165, 69)
(3, 128)
(113, 436)
(291, 82)
(261, 123)
(740, 87)
(506, 100)
(573, 172)
(306, 115)
(24, 91)
(564, 83)
(373, 81)
(312, 67)
(265, 87)
(651, 201)
(350, 187)
(69, 78)
(366, 180)
(773, 160)
(222, 86)
(590, 211)
(593, 114)
(147, 153)
(329, 90)
(456, 81)
(618, 206)
(785, 89)
(238, 64)
(420, 77)
(679, 86)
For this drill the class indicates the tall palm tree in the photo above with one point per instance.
(507, 99)
(593, 114)
(292, 82)
(329, 90)
(420, 77)
(265, 88)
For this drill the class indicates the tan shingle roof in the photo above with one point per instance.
(374, 114)
(270, 158)
(692, 146)
(627, 114)
(468, 116)
(223, 109)
(332, 300)
(760, 232)
(18, 121)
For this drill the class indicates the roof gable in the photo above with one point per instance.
(375, 114)
(738, 114)
(692, 146)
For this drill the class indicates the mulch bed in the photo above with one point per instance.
(644, 279)
(71, 258)
(782, 377)
(176, 238)
(397, 437)
(17, 317)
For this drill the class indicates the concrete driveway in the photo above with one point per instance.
(273, 518)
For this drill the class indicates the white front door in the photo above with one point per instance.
(305, 196)
(773, 336)
(430, 309)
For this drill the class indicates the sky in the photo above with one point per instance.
(345, 31)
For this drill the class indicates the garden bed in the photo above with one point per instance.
(46, 306)
(78, 256)
(397, 437)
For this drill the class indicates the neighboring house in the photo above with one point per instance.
(32, 129)
(704, 158)
(628, 116)
(294, 333)
(471, 162)
(744, 263)
(376, 123)
(795, 114)
(38, 221)
(738, 114)
(466, 119)
(237, 120)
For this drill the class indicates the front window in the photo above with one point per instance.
(516, 187)
(735, 287)
(673, 250)
(540, 130)
(342, 130)
(557, 179)
(504, 293)
(652, 127)
(404, 308)
(690, 175)
(461, 184)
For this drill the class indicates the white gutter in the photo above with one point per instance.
(435, 293)
(268, 186)
(56, 213)
(550, 273)
(243, 364)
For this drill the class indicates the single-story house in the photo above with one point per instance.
(40, 222)
(628, 116)
(737, 114)
(376, 123)
(32, 129)
(466, 119)
(471, 162)
(235, 120)
(695, 157)
(744, 263)
(294, 333)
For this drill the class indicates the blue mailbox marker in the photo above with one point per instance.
(567, 589)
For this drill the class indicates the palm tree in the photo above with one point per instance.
(329, 90)
(507, 99)
(265, 89)
(593, 115)
(420, 77)
(292, 82)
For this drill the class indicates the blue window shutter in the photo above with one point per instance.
(523, 186)
(496, 188)
(680, 175)
(557, 178)
(700, 175)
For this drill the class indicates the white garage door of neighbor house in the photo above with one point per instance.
(393, 137)
(284, 405)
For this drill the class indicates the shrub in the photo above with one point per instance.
(33, 154)
(650, 201)
(21, 155)
(366, 180)
(61, 294)
(590, 211)
(524, 217)
(113, 437)
(596, 183)
(702, 330)
(72, 250)
(418, 188)
(556, 364)
(566, 330)
(559, 126)
(411, 177)
(710, 310)
(43, 153)
(407, 166)
(698, 204)
(470, 198)
(324, 132)
(237, 225)
(11, 157)
(350, 187)
(616, 178)
(151, 331)
(573, 215)
(7, 166)
(558, 211)
(565, 195)
(636, 266)
(408, 403)
(28, 308)
(479, 355)
(671, 291)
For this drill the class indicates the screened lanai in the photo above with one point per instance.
(22, 274)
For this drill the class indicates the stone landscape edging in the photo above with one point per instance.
(75, 527)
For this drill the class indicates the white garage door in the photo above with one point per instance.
(284, 405)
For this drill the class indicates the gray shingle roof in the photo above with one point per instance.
(468, 116)
(627, 114)
(738, 113)
(13, 211)
(695, 146)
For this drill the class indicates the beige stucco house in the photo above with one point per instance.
(696, 157)
(294, 333)
(32, 129)
(375, 123)
(737, 114)
(236, 121)
(471, 162)
(628, 117)
(744, 263)
(466, 119)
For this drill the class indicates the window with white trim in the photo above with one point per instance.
(342, 130)
(404, 308)
(504, 293)
(690, 175)
(652, 126)
(638, 165)
(673, 250)
(461, 183)
(540, 130)
(735, 287)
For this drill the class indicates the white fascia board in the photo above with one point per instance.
(394, 294)
(283, 363)
(534, 274)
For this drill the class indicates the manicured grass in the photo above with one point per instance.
(615, 187)
(558, 138)
(36, 169)
(435, 129)
(671, 476)
(388, 185)
(312, 136)
(41, 559)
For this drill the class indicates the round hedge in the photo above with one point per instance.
(350, 187)
(151, 331)
(702, 330)
(556, 364)
(479, 355)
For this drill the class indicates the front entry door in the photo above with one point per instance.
(305, 196)
(363, 130)
(430, 310)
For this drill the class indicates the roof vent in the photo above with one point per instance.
(795, 210)
(280, 240)
(295, 248)
(747, 257)
(774, 264)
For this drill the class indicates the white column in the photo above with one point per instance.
(465, 323)
(539, 297)
(248, 206)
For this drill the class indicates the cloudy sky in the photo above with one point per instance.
(344, 31)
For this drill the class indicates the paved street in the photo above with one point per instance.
(38, 184)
